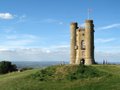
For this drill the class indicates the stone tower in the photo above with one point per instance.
(82, 43)
(73, 28)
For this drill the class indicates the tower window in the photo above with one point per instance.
(76, 47)
(83, 54)
(83, 45)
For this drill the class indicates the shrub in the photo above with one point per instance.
(25, 68)
(6, 66)
(67, 72)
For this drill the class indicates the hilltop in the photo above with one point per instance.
(64, 77)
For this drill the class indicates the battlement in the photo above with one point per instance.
(74, 23)
(89, 21)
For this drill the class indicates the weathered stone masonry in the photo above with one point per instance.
(82, 43)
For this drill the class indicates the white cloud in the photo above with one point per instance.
(9, 30)
(49, 20)
(108, 48)
(117, 25)
(103, 40)
(21, 19)
(17, 41)
(6, 16)
(61, 23)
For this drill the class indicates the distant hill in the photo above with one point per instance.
(36, 64)
(64, 77)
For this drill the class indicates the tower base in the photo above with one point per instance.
(89, 61)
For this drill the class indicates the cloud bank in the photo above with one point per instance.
(36, 54)
(57, 53)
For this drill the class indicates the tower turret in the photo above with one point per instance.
(73, 28)
(89, 42)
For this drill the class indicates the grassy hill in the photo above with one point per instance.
(95, 77)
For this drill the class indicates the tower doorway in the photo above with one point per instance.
(82, 61)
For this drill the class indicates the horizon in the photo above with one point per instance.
(34, 30)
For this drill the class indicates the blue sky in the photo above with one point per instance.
(38, 28)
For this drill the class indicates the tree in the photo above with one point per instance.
(6, 66)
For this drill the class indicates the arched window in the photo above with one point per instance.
(83, 45)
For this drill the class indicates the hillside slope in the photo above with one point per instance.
(109, 80)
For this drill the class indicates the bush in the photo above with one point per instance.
(25, 68)
(6, 66)
(45, 74)
(67, 72)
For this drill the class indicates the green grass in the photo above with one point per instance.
(98, 77)
(68, 73)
